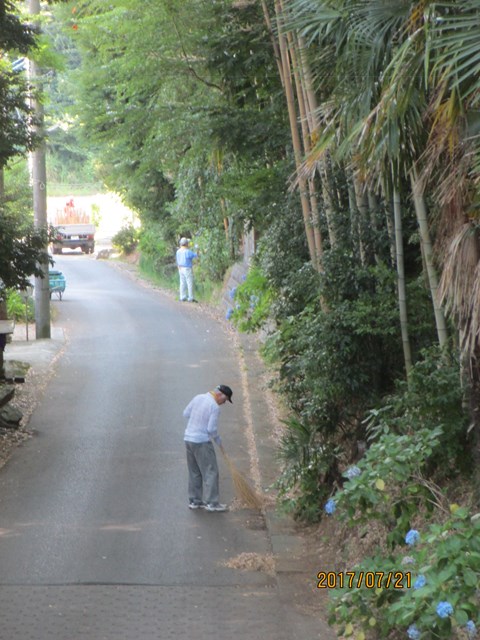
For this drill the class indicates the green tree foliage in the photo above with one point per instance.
(15, 33)
(16, 37)
(22, 246)
(17, 197)
(22, 250)
(15, 136)
(179, 106)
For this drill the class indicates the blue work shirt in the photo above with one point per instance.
(185, 257)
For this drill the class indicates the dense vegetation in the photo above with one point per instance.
(22, 245)
(345, 133)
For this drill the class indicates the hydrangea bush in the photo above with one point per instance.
(386, 486)
(439, 599)
(437, 562)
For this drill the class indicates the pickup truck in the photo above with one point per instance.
(71, 236)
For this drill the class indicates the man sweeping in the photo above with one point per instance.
(201, 432)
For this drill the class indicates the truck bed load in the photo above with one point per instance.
(73, 229)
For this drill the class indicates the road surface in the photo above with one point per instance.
(96, 540)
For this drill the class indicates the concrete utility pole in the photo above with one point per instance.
(39, 179)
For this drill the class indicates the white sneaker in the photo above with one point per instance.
(196, 505)
(216, 507)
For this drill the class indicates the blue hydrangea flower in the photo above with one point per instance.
(352, 472)
(330, 507)
(412, 537)
(232, 293)
(444, 609)
(413, 632)
(229, 313)
(419, 582)
(471, 629)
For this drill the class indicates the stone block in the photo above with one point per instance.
(10, 417)
(7, 392)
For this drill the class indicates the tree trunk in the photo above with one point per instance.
(402, 296)
(361, 200)
(292, 115)
(421, 212)
(389, 220)
(311, 108)
(305, 117)
(373, 208)
(276, 51)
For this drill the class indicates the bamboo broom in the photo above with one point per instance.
(243, 489)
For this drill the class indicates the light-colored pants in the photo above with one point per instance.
(202, 472)
(186, 282)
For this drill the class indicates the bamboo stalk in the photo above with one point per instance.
(276, 51)
(361, 200)
(305, 117)
(314, 125)
(402, 295)
(421, 211)
(292, 115)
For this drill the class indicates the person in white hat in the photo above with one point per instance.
(185, 257)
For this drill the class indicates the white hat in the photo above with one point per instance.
(183, 242)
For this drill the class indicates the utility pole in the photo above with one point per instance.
(39, 180)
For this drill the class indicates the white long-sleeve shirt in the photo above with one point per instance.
(202, 413)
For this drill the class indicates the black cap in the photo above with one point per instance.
(226, 391)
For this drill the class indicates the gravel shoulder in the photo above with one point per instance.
(37, 358)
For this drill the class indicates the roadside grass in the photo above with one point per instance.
(64, 190)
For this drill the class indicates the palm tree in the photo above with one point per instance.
(378, 101)
(400, 83)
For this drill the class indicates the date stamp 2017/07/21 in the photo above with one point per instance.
(367, 579)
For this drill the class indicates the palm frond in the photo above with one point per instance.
(456, 46)
(460, 286)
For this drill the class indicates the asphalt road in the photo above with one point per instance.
(96, 540)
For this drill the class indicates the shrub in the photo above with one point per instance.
(214, 255)
(390, 486)
(438, 571)
(309, 462)
(16, 307)
(126, 239)
(432, 397)
(416, 435)
(252, 300)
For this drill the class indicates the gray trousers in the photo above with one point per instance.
(202, 472)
